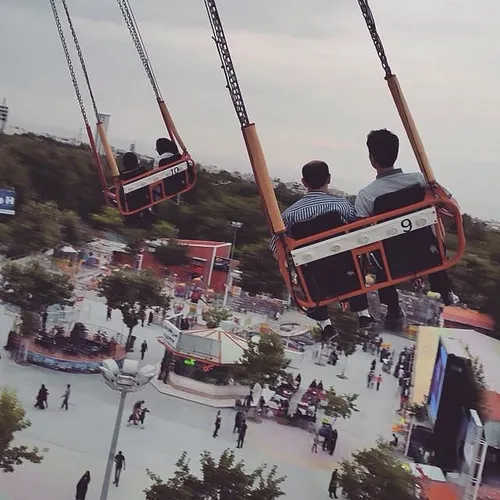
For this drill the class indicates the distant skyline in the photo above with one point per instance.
(310, 78)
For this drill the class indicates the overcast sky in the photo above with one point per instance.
(309, 73)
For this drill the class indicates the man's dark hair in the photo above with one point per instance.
(383, 147)
(130, 162)
(315, 174)
(164, 145)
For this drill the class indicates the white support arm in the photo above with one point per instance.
(151, 179)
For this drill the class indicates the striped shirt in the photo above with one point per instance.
(312, 205)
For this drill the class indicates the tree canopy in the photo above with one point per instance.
(376, 473)
(132, 293)
(264, 361)
(33, 288)
(214, 315)
(12, 420)
(339, 406)
(172, 254)
(222, 479)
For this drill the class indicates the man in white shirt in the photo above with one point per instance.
(383, 149)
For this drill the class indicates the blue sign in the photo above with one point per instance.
(7, 202)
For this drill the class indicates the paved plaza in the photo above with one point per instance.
(78, 440)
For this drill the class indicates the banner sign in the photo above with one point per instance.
(7, 202)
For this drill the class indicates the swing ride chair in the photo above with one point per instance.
(132, 194)
(322, 260)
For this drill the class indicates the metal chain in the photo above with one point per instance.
(139, 45)
(227, 63)
(372, 28)
(69, 62)
(82, 60)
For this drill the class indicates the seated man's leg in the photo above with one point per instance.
(359, 304)
(389, 296)
(440, 282)
(320, 314)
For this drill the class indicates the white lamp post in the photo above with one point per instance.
(129, 378)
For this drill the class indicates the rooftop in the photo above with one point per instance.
(468, 317)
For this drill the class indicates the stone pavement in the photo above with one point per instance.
(78, 440)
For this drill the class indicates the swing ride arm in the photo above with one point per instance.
(252, 142)
(398, 97)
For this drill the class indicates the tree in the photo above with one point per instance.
(12, 420)
(172, 254)
(338, 406)
(376, 473)
(73, 230)
(259, 270)
(265, 360)
(223, 479)
(132, 293)
(215, 315)
(36, 227)
(33, 289)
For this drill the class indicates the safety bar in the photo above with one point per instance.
(149, 178)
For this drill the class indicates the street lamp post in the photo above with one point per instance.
(235, 225)
(129, 378)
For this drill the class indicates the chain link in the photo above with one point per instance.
(227, 63)
(139, 45)
(372, 28)
(82, 60)
(69, 62)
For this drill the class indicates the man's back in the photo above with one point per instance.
(385, 183)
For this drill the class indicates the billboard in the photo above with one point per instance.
(7, 202)
(437, 382)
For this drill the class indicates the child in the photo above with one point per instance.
(378, 380)
(314, 448)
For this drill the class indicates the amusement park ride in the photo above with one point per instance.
(313, 265)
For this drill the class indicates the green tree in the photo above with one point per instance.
(376, 473)
(12, 420)
(36, 227)
(33, 289)
(222, 479)
(339, 406)
(132, 293)
(73, 229)
(215, 315)
(259, 270)
(264, 361)
(172, 254)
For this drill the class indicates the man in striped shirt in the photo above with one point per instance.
(316, 202)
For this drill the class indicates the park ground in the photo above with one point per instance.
(78, 440)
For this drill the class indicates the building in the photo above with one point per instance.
(460, 317)
(209, 260)
(100, 252)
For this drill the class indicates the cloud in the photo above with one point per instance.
(308, 70)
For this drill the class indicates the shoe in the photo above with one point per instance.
(394, 317)
(450, 299)
(328, 333)
(365, 322)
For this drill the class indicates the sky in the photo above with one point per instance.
(310, 78)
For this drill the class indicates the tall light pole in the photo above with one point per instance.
(129, 378)
(235, 225)
(4, 113)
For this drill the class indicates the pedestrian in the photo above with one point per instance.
(65, 397)
(332, 444)
(42, 397)
(144, 348)
(241, 434)
(237, 421)
(150, 317)
(379, 380)
(142, 416)
(314, 448)
(82, 485)
(374, 364)
(218, 420)
(142, 316)
(108, 313)
(119, 465)
(332, 487)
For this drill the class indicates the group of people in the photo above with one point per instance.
(383, 150)
(240, 427)
(42, 398)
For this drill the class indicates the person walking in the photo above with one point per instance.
(314, 448)
(65, 397)
(241, 434)
(108, 313)
(218, 421)
(332, 444)
(150, 317)
(119, 465)
(379, 380)
(42, 397)
(237, 421)
(82, 486)
(144, 348)
(332, 487)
